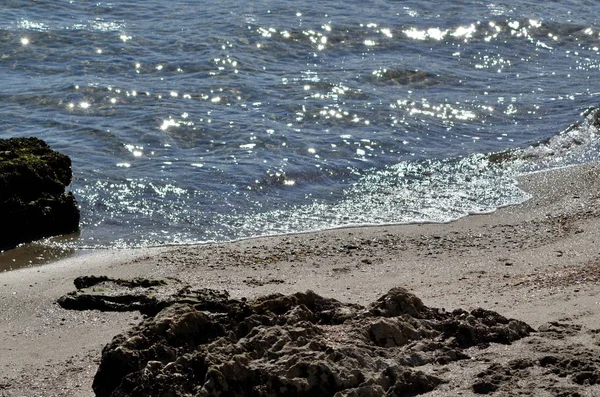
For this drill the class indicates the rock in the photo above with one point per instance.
(148, 296)
(363, 391)
(406, 77)
(396, 302)
(581, 366)
(389, 332)
(33, 201)
(203, 343)
(596, 118)
(481, 327)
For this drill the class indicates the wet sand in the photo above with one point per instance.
(538, 262)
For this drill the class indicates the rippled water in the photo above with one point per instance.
(189, 121)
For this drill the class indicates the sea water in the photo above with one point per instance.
(192, 121)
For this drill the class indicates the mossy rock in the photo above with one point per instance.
(33, 198)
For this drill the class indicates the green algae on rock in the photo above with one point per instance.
(33, 200)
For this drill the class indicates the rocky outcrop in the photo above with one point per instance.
(33, 201)
(203, 343)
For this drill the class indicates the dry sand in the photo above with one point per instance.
(538, 262)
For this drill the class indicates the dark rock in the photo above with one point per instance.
(406, 77)
(91, 281)
(203, 343)
(583, 367)
(396, 302)
(559, 330)
(578, 365)
(596, 118)
(389, 332)
(481, 327)
(33, 201)
(496, 376)
(363, 391)
(148, 296)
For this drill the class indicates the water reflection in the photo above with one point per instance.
(37, 253)
(172, 124)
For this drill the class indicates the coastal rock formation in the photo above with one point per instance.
(579, 367)
(33, 201)
(204, 343)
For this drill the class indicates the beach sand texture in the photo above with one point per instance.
(538, 262)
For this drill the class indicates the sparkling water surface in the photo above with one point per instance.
(190, 121)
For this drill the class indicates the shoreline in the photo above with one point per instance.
(536, 261)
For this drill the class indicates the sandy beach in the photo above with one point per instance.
(538, 262)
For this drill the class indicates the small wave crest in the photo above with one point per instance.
(578, 144)
(408, 192)
(431, 191)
